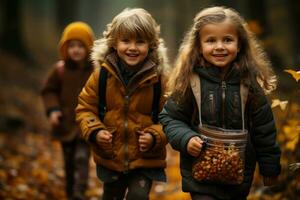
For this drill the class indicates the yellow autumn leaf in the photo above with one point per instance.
(281, 104)
(277, 196)
(290, 132)
(293, 122)
(295, 74)
(41, 175)
(280, 138)
(291, 145)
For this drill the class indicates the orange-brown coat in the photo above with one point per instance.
(128, 109)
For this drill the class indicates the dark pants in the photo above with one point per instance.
(76, 159)
(196, 196)
(137, 185)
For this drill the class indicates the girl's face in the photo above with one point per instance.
(132, 51)
(219, 43)
(76, 50)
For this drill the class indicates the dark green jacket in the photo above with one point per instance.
(180, 121)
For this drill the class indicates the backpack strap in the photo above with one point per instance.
(102, 93)
(156, 101)
(196, 88)
(60, 66)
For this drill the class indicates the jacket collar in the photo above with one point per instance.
(213, 73)
(147, 71)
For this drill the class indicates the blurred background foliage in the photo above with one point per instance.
(30, 164)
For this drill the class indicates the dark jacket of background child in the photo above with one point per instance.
(60, 92)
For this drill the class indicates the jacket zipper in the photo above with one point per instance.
(223, 102)
(211, 106)
(126, 159)
(126, 109)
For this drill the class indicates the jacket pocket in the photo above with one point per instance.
(236, 109)
(212, 107)
(92, 122)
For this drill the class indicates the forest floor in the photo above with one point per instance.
(31, 165)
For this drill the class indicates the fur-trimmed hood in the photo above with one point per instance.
(159, 56)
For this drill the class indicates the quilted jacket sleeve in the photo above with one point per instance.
(264, 136)
(87, 108)
(176, 119)
(50, 91)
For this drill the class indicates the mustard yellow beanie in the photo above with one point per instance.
(76, 31)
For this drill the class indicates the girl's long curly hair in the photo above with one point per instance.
(251, 59)
(132, 23)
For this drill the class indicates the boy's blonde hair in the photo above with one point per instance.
(132, 23)
(251, 59)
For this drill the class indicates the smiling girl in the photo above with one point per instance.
(217, 59)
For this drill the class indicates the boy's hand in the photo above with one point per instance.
(54, 118)
(104, 138)
(145, 141)
(194, 146)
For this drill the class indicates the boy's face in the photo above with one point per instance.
(132, 51)
(76, 50)
(219, 43)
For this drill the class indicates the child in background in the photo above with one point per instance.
(60, 93)
(222, 51)
(127, 140)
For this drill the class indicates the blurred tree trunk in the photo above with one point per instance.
(11, 36)
(294, 10)
(67, 10)
(257, 11)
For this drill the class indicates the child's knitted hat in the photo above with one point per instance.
(76, 31)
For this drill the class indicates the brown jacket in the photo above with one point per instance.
(128, 109)
(60, 92)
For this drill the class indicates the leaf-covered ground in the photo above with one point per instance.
(31, 166)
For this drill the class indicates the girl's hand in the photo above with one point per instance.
(104, 138)
(194, 146)
(145, 141)
(54, 118)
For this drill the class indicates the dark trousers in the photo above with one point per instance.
(196, 196)
(76, 160)
(137, 185)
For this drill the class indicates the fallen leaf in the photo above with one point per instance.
(281, 104)
(295, 74)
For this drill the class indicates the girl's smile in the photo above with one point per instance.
(219, 43)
